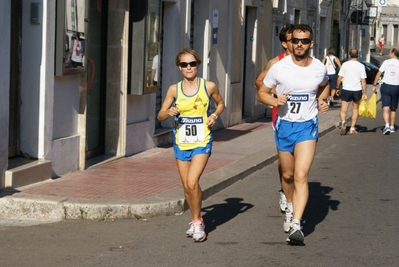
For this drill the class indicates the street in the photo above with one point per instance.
(350, 220)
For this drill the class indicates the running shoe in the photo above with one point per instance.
(199, 234)
(353, 131)
(190, 231)
(295, 235)
(283, 201)
(392, 129)
(331, 102)
(287, 220)
(386, 130)
(342, 130)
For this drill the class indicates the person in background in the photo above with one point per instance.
(333, 64)
(154, 70)
(296, 129)
(381, 43)
(189, 102)
(285, 39)
(75, 54)
(354, 89)
(389, 90)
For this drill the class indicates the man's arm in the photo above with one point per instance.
(364, 86)
(266, 98)
(377, 77)
(262, 75)
(322, 94)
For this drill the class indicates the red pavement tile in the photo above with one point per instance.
(138, 181)
(146, 174)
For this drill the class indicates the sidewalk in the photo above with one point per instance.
(147, 184)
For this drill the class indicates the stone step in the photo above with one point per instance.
(26, 174)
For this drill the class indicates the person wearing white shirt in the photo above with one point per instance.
(353, 74)
(299, 95)
(389, 90)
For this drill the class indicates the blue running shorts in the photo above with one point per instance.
(187, 155)
(288, 134)
(389, 96)
(333, 81)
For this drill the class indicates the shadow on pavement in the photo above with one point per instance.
(319, 204)
(8, 192)
(221, 213)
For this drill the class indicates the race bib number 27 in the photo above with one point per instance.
(191, 130)
(297, 104)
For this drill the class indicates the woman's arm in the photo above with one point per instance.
(167, 110)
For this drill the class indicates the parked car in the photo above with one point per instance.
(373, 45)
(371, 71)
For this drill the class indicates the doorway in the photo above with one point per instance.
(96, 59)
(248, 94)
(15, 78)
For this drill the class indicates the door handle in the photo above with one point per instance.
(93, 72)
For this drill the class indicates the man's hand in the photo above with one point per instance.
(323, 106)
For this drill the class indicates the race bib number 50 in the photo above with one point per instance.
(191, 130)
(297, 105)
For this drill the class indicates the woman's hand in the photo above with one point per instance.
(173, 111)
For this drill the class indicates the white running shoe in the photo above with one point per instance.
(392, 129)
(190, 231)
(283, 201)
(386, 130)
(295, 235)
(199, 234)
(287, 220)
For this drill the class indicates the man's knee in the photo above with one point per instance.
(288, 176)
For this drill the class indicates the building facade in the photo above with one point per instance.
(78, 80)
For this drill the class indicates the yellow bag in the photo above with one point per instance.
(372, 106)
(369, 109)
(363, 108)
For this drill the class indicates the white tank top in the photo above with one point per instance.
(330, 64)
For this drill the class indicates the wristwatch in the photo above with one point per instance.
(216, 116)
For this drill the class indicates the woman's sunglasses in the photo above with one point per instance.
(303, 41)
(185, 64)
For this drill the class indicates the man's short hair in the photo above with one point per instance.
(353, 53)
(283, 33)
(395, 52)
(304, 28)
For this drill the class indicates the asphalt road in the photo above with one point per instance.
(351, 220)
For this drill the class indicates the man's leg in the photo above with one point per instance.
(385, 115)
(304, 155)
(355, 116)
(393, 117)
(342, 114)
(286, 160)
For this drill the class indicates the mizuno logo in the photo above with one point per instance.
(298, 98)
(191, 120)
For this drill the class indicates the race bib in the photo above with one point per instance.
(298, 106)
(191, 130)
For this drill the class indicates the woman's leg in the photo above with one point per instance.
(190, 173)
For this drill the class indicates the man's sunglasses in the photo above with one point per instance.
(185, 64)
(303, 41)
